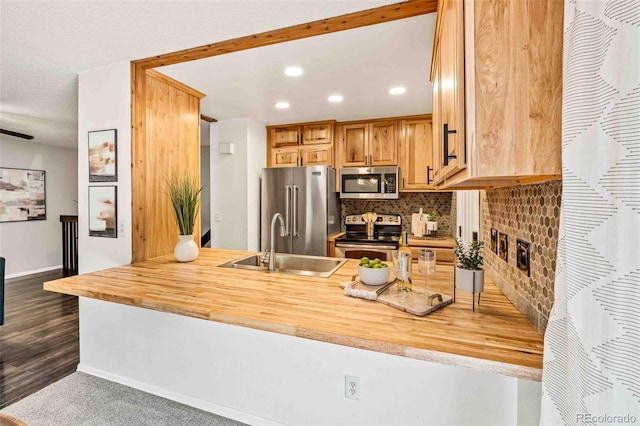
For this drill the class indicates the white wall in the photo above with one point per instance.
(262, 378)
(36, 246)
(235, 185)
(104, 102)
(468, 214)
(205, 181)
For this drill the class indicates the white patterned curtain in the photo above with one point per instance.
(591, 369)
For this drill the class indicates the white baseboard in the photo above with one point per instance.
(34, 271)
(210, 407)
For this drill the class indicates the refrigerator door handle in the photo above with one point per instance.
(295, 211)
(287, 209)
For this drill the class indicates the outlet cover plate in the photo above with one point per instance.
(503, 246)
(523, 256)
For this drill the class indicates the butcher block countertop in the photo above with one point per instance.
(495, 338)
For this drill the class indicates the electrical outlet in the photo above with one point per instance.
(218, 216)
(352, 387)
(523, 256)
(503, 246)
(494, 240)
(122, 229)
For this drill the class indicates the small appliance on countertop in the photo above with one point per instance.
(355, 243)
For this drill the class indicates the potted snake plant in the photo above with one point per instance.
(184, 194)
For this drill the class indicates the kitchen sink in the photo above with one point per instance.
(314, 266)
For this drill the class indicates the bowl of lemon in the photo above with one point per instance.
(373, 272)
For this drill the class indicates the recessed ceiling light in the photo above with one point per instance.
(282, 105)
(397, 90)
(335, 98)
(293, 71)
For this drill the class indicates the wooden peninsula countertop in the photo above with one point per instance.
(495, 338)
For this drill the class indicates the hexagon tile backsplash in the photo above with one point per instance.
(530, 213)
(406, 204)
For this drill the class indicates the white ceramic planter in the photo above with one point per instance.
(186, 250)
(465, 279)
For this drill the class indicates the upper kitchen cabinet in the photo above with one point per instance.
(304, 144)
(300, 134)
(416, 155)
(497, 92)
(369, 144)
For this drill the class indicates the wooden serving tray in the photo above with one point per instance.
(417, 302)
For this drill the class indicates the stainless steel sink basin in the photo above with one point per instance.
(313, 266)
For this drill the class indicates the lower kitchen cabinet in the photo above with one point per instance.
(443, 246)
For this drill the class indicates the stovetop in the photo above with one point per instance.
(387, 230)
(362, 238)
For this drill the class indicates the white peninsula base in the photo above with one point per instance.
(260, 377)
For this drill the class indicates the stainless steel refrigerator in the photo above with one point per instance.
(307, 199)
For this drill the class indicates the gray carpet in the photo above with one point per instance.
(83, 400)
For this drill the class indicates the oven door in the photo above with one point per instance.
(358, 251)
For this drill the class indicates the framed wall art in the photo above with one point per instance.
(22, 195)
(103, 156)
(103, 207)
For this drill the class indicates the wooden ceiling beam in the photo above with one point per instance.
(324, 26)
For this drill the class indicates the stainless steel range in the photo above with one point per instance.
(355, 243)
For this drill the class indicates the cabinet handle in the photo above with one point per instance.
(300, 161)
(403, 183)
(446, 134)
(429, 169)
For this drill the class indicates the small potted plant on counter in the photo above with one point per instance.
(184, 194)
(469, 275)
(432, 224)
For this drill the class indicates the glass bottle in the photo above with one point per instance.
(403, 265)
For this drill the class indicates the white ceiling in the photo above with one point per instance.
(45, 44)
(359, 64)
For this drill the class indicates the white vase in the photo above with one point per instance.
(186, 250)
(466, 278)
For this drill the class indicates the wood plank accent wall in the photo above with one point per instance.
(171, 144)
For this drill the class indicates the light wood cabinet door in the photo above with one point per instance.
(285, 136)
(314, 134)
(316, 156)
(436, 123)
(451, 90)
(284, 157)
(383, 144)
(492, 90)
(416, 167)
(355, 140)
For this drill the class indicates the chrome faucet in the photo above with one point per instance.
(272, 250)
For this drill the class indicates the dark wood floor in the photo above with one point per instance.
(39, 338)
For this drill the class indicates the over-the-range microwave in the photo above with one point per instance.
(368, 183)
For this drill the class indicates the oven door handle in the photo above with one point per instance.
(365, 246)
